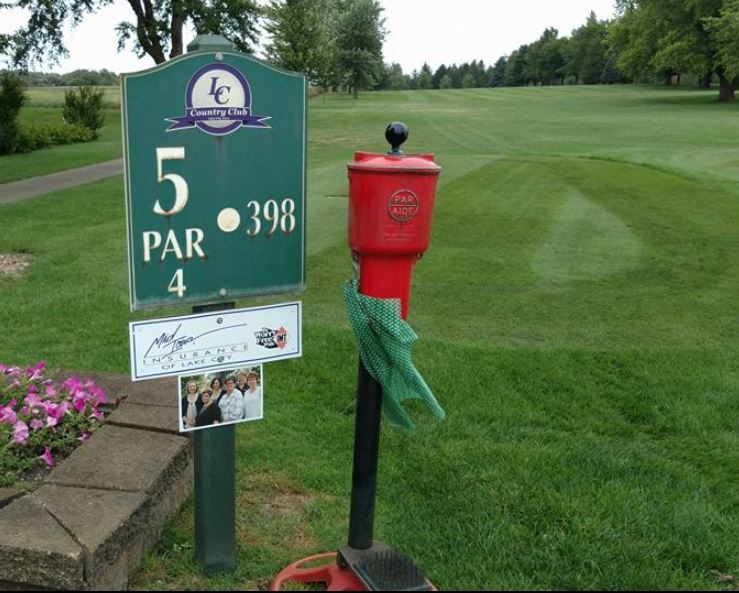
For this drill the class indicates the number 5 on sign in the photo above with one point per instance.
(180, 185)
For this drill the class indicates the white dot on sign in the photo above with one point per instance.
(228, 220)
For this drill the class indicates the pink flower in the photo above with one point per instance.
(33, 399)
(7, 415)
(50, 391)
(62, 409)
(97, 393)
(20, 432)
(36, 424)
(57, 411)
(79, 403)
(72, 384)
(47, 456)
(51, 422)
(34, 373)
(85, 436)
(95, 413)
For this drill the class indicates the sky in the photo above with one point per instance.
(418, 31)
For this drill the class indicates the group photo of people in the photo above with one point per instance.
(221, 397)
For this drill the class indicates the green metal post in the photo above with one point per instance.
(215, 455)
(215, 490)
(215, 499)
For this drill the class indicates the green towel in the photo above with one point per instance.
(385, 341)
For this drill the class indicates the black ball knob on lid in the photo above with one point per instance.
(396, 133)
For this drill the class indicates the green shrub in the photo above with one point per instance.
(35, 136)
(85, 107)
(12, 98)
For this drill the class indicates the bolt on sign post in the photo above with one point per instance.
(214, 162)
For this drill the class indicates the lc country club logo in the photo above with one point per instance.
(272, 338)
(218, 102)
(403, 205)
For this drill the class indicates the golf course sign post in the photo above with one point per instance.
(215, 182)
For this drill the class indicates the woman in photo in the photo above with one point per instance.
(252, 397)
(190, 405)
(210, 413)
(241, 382)
(231, 402)
(217, 388)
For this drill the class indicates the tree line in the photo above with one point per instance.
(75, 78)
(584, 57)
(647, 41)
(338, 43)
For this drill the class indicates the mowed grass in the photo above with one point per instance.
(578, 319)
(45, 105)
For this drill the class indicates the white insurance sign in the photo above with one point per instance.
(213, 341)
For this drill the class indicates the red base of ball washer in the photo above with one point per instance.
(331, 575)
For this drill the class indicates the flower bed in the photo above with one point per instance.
(42, 420)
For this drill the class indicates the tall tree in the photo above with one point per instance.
(299, 39)
(587, 50)
(678, 36)
(394, 77)
(359, 43)
(156, 26)
(477, 69)
(497, 77)
(425, 78)
(438, 75)
(724, 31)
(550, 60)
(514, 74)
(611, 73)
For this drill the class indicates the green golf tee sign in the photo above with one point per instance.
(214, 153)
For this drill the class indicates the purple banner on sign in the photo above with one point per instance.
(193, 115)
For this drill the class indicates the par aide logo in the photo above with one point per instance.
(218, 102)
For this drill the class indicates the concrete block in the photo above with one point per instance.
(8, 495)
(153, 392)
(35, 550)
(105, 523)
(159, 418)
(118, 458)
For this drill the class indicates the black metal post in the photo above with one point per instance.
(215, 489)
(364, 473)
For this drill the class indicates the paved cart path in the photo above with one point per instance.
(36, 186)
